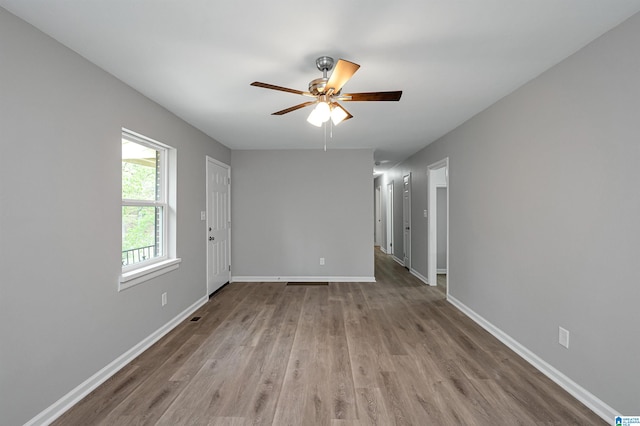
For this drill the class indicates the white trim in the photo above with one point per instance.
(58, 408)
(377, 215)
(407, 247)
(581, 394)
(311, 279)
(419, 276)
(397, 259)
(382, 249)
(389, 224)
(441, 271)
(139, 275)
(141, 139)
(432, 234)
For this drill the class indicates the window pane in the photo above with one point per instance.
(141, 233)
(139, 172)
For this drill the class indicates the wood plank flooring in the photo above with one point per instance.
(392, 352)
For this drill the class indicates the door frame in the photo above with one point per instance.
(432, 236)
(390, 218)
(406, 259)
(211, 160)
(378, 216)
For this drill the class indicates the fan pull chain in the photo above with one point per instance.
(325, 137)
(330, 124)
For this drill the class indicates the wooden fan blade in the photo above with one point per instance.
(293, 108)
(280, 88)
(343, 71)
(372, 96)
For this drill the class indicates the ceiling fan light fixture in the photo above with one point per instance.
(314, 118)
(338, 114)
(320, 114)
(323, 110)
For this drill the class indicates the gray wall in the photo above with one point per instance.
(61, 317)
(543, 195)
(291, 207)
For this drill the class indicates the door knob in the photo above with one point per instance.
(212, 238)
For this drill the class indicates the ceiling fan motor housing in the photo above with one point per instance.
(324, 64)
(317, 86)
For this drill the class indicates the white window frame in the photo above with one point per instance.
(143, 271)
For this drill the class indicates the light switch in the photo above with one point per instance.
(425, 213)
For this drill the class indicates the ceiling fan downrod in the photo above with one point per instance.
(324, 64)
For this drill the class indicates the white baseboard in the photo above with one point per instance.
(310, 279)
(397, 260)
(384, 250)
(419, 276)
(441, 271)
(58, 408)
(581, 394)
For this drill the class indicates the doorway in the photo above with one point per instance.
(218, 216)
(406, 219)
(438, 218)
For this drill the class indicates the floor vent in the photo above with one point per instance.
(308, 283)
(195, 319)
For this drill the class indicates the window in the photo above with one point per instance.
(147, 214)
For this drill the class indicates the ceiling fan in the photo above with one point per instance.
(326, 92)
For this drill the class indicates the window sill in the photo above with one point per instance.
(140, 275)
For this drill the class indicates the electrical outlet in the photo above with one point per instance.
(563, 337)
(322, 261)
(164, 298)
(203, 215)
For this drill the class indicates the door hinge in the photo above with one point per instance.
(229, 267)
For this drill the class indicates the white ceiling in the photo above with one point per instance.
(452, 59)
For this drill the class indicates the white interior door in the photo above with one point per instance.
(406, 219)
(218, 225)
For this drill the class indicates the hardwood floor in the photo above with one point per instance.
(384, 353)
(441, 282)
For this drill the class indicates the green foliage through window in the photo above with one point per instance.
(141, 224)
